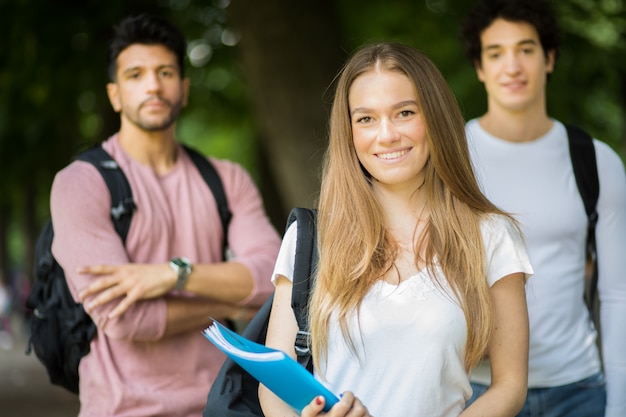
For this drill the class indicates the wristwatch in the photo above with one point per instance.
(182, 267)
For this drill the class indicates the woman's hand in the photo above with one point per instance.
(348, 406)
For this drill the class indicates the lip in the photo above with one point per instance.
(514, 85)
(154, 104)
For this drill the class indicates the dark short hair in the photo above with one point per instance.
(538, 13)
(147, 30)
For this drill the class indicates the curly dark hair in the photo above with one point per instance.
(538, 13)
(147, 30)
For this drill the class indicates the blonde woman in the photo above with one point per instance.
(419, 276)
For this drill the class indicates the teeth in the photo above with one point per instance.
(392, 155)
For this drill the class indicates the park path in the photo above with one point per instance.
(24, 387)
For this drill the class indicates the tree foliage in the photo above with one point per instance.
(262, 77)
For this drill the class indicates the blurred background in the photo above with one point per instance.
(261, 85)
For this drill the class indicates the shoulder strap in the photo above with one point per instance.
(583, 155)
(122, 204)
(304, 268)
(212, 178)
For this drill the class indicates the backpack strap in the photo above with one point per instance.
(212, 178)
(122, 203)
(304, 268)
(583, 156)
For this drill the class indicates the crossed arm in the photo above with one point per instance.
(134, 300)
(225, 284)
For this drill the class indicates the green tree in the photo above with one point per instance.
(262, 76)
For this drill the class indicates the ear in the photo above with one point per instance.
(479, 71)
(550, 59)
(113, 91)
(186, 83)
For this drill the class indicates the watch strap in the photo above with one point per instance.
(182, 267)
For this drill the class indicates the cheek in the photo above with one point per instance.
(417, 133)
(360, 143)
(122, 98)
(421, 146)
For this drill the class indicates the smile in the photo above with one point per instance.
(392, 155)
(514, 85)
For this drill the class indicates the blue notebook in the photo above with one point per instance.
(282, 375)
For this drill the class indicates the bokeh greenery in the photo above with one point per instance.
(53, 101)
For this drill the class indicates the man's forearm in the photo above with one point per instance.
(187, 314)
(226, 281)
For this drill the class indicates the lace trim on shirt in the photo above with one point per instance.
(417, 286)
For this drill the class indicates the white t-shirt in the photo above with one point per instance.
(535, 181)
(410, 337)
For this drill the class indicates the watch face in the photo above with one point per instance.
(180, 262)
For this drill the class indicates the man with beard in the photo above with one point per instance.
(151, 295)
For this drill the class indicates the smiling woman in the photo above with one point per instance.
(410, 250)
(388, 130)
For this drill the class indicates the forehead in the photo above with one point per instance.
(145, 56)
(377, 84)
(503, 33)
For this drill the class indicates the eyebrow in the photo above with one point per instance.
(524, 42)
(139, 67)
(395, 106)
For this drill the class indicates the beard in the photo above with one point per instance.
(154, 124)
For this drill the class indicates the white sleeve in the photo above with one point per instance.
(611, 242)
(505, 250)
(287, 254)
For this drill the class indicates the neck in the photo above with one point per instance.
(403, 211)
(156, 149)
(524, 125)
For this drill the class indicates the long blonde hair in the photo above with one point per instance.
(355, 248)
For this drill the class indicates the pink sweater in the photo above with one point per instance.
(131, 370)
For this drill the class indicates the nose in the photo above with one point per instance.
(512, 63)
(153, 82)
(387, 131)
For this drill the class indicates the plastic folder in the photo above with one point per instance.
(271, 367)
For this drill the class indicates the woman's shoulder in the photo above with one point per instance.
(500, 229)
(498, 223)
(505, 249)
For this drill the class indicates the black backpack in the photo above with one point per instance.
(583, 156)
(235, 392)
(60, 329)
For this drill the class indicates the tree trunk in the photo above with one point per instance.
(4, 239)
(30, 230)
(288, 73)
